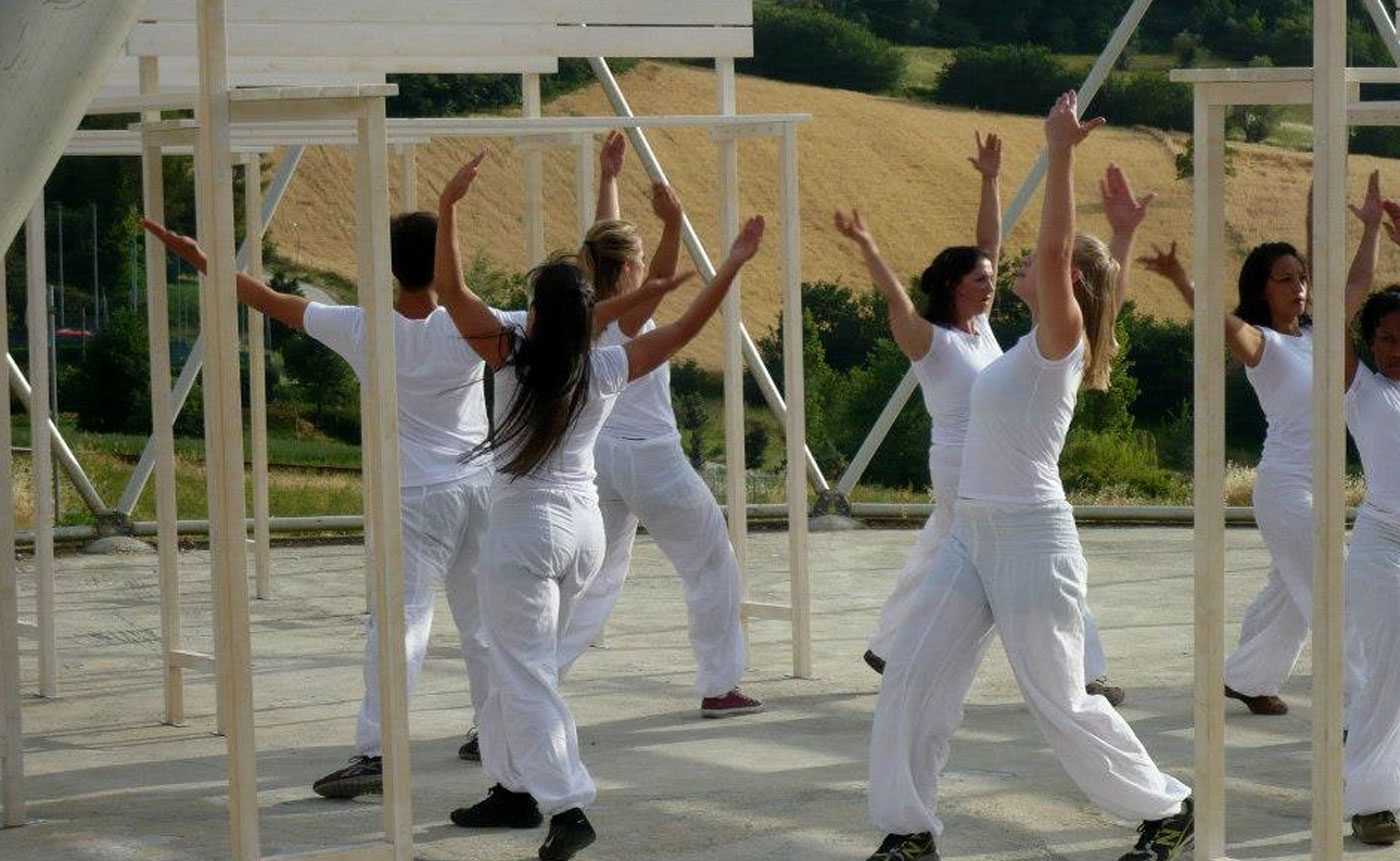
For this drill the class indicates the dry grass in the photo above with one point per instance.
(1239, 486)
(903, 164)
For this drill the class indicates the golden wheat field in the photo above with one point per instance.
(903, 165)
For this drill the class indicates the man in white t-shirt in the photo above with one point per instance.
(445, 502)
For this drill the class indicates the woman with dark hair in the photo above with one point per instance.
(1270, 332)
(545, 543)
(1371, 768)
(947, 346)
(1013, 562)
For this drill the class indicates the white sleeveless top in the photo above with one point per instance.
(643, 410)
(1022, 405)
(1283, 383)
(946, 373)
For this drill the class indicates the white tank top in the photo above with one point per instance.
(1022, 405)
(946, 373)
(1283, 383)
(643, 410)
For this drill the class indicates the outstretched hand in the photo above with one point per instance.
(988, 159)
(614, 150)
(662, 285)
(1124, 211)
(457, 187)
(852, 227)
(1063, 130)
(1372, 208)
(747, 242)
(183, 247)
(664, 203)
(1166, 264)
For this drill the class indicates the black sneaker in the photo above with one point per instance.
(874, 662)
(569, 832)
(1165, 839)
(501, 808)
(907, 847)
(362, 775)
(1376, 829)
(471, 748)
(1102, 687)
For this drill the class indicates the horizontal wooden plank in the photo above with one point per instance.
(477, 12)
(191, 660)
(181, 74)
(402, 42)
(760, 610)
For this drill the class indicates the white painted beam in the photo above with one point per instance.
(41, 466)
(11, 717)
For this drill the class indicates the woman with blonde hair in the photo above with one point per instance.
(1013, 562)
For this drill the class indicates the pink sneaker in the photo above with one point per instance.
(732, 703)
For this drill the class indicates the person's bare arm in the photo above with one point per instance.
(610, 164)
(472, 316)
(667, 207)
(1245, 341)
(647, 352)
(912, 333)
(1125, 213)
(285, 308)
(988, 164)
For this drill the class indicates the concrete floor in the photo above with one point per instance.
(108, 781)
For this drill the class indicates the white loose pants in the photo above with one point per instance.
(544, 548)
(1371, 768)
(945, 470)
(1018, 568)
(1275, 625)
(653, 482)
(444, 528)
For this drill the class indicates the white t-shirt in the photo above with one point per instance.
(1283, 383)
(1373, 416)
(442, 412)
(643, 410)
(946, 373)
(570, 467)
(1022, 405)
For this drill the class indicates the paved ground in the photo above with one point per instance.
(108, 781)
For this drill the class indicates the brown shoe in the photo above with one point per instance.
(1102, 687)
(1267, 704)
(1377, 829)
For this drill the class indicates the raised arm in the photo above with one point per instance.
(1362, 274)
(610, 165)
(1061, 324)
(667, 207)
(1244, 341)
(1125, 214)
(646, 353)
(988, 164)
(472, 316)
(285, 308)
(912, 333)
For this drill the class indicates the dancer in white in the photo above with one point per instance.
(1270, 332)
(1371, 769)
(446, 503)
(554, 390)
(643, 473)
(948, 345)
(1013, 562)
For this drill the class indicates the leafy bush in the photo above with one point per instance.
(111, 393)
(812, 46)
(688, 376)
(1022, 79)
(691, 416)
(459, 95)
(1148, 98)
(755, 443)
(1122, 462)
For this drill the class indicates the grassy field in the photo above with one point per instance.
(903, 164)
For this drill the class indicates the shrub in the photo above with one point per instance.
(812, 46)
(688, 376)
(1023, 79)
(1148, 98)
(111, 393)
(755, 443)
(690, 415)
(1117, 461)
(1187, 47)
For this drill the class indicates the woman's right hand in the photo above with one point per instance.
(457, 187)
(614, 149)
(664, 203)
(747, 242)
(988, 159)
(852, 227)
(1063, 130)
(183, 247)
(1166, 264)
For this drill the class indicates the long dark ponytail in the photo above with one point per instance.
(551, 368)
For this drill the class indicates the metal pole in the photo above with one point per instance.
(96, 284)
(62, 299)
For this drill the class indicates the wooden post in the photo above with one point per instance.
(162, 419)
(584, 192)
(408, 177)
(223, 429)
(41, 448)
(1209, 363)
(735, 486)
(1330, 131)
(379, 418)
(796, 403)
(11, 721)
(534, 175)
(257, 380)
